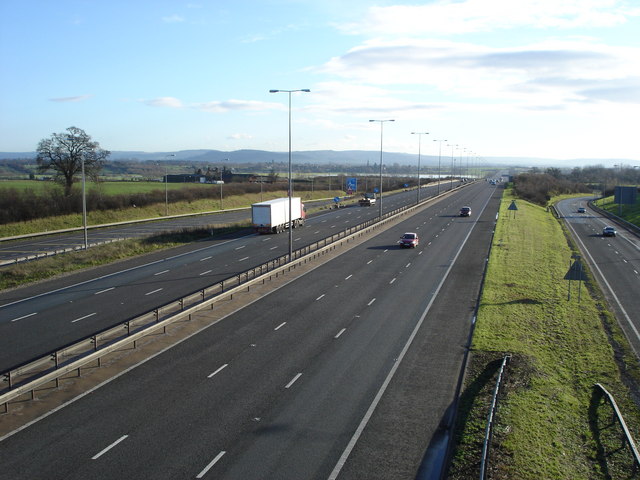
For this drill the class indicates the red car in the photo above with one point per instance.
(409, 240)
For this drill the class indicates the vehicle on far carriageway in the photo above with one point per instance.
(272, 216)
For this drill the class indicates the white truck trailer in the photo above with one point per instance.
(272, 216)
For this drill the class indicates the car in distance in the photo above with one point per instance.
(609, 232)
(582, 210)
(465, 212)
(409, 240)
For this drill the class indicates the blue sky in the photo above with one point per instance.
(523, 78)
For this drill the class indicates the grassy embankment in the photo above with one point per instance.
(630, 213)
(551, 423)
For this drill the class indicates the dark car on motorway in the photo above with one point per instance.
(582, 210)
(465, 212)
(609, 232)
(409, 240)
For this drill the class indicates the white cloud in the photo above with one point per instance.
(165, 102)
(218, 106)
(455, 18)
(173, 19)
(240, 136)
(77, 98)
(548, 72)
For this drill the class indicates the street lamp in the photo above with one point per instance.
(290, 181)
(439, 157)
(452, 163)
(166, 186)
(381, 129)
(419, 141)
(84, 207)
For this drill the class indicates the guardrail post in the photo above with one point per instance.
(156, 312)
(181, 304)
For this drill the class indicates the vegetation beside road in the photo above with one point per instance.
(630, 213)
(551, 422)
(156, 210)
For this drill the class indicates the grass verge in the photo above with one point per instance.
(551, 423)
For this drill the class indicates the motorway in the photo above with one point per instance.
(40, 318)
(282, 388)
(614, 261)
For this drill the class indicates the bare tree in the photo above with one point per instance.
(64, 153)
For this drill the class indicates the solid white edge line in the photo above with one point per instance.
(218, 370)
(365, 420)
(99, 454)
(24, 316)
(213, 462)
(293, 380)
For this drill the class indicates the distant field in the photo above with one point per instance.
(107, 188)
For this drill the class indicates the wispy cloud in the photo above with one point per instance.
(77, 98)
(216, 106)
(240, 136)
(173, 19)
(461, 17)
(547, 72)
(171, 102)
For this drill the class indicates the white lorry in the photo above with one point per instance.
(272, 216)
(367, 200)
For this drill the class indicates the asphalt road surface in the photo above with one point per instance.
(295, 385)
(614, 261)
(38, 319)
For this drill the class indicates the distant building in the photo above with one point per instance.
(185, 178)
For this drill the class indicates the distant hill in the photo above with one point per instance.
(324, 157)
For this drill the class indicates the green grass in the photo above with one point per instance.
(106, 188)
(630, 213)
(550, 422)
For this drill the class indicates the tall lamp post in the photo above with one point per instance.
(452, 164)
(381, 130)
(166, 186)
(419, 142)
(84, 207)
(290, 180)
(439, 157)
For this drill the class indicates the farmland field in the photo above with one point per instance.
(107, 188)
